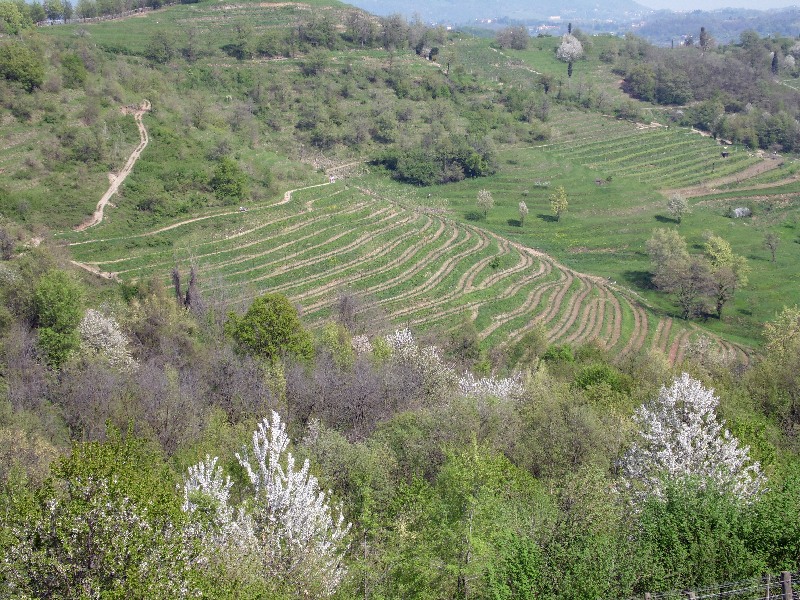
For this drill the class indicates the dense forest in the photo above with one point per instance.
(163, 439)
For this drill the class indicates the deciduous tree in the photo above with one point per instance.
(229, 182)
(286, 531)
(485, 201)
(729, 271)
(106, 524)
(569, 51)
(771, 242)
(559, 202)
(681, 439)
(20, 63)
(513, 37)
(523, 212)
(57, 302)
(677, 206)
(269, 328)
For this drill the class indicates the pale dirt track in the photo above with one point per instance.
(120, 177)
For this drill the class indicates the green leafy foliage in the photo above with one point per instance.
(106, 523)
(58, 304)
(269, 329)
(695, 536)
(452, 160)
(230, 183)
(74, 71)
(20, 63)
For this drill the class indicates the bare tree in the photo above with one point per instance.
(691, 283)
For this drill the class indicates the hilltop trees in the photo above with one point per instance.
(13, 19)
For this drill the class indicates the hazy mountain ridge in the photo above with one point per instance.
(617, 16)
(724, 25)
(458, 13)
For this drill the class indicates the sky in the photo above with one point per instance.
(714, 4)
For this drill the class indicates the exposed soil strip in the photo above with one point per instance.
(120, 177)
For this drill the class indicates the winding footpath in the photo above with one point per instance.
(120, 177)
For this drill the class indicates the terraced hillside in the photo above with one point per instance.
(665, 157)
(421, 267)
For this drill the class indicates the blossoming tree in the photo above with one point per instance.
(680, 438)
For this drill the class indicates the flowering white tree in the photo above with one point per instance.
(680, 438)
(102, 336)
(677, 206)
(285, 529)
(435, 373)
(523, 212)
(485, 201)
(569, 51)
(485, 387)
(361, 344)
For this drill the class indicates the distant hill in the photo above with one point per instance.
(724, 24)
(614, 16)
(465, 11)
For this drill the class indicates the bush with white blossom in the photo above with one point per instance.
(434, 371)
(102, 336)
(361, 344)
(285, 529)
(680, 438)
(494, 387)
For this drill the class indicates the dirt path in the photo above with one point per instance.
(520, 64)
(95, 271)
(768, 164)
(119, 178)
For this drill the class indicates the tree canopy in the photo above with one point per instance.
(270, 327)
